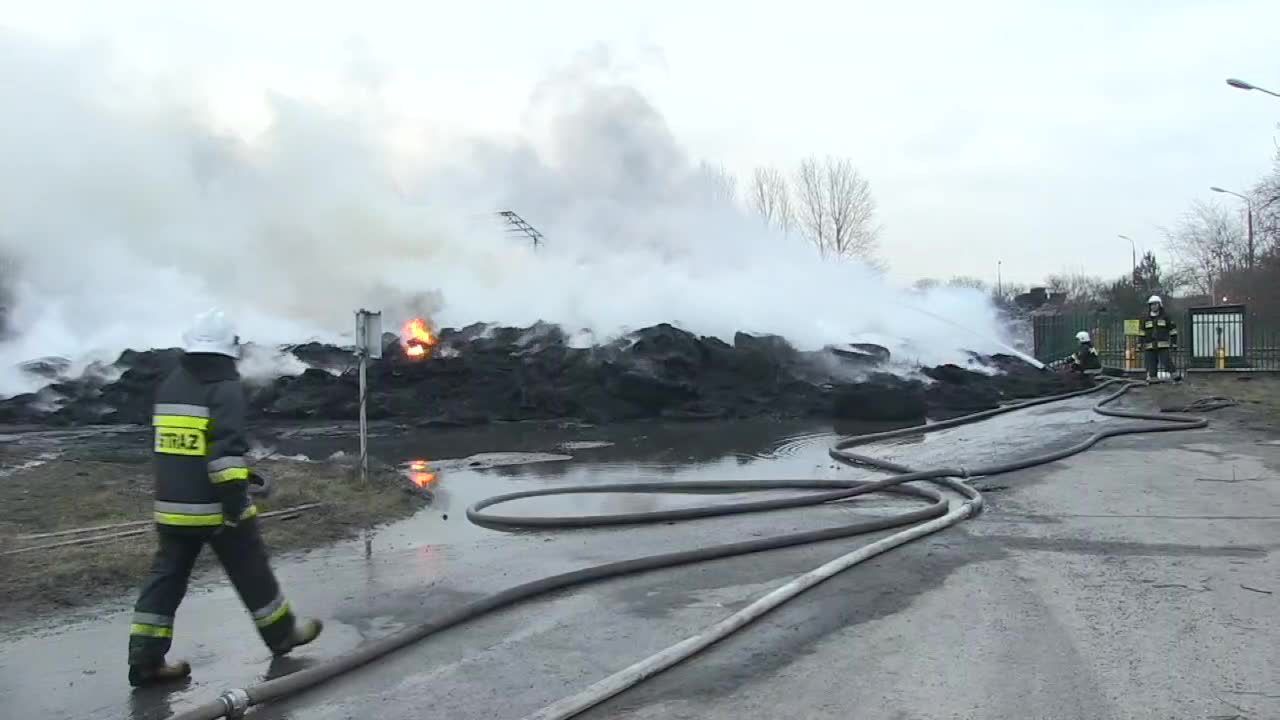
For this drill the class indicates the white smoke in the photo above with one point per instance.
(124, 213)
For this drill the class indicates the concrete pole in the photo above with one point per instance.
(364, 422)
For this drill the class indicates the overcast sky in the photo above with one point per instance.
(1031, 133)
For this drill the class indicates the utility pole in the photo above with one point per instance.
(368, 345)
(1133, 251)
(1248, 208)
(999, 280)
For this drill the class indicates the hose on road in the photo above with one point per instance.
(937, 514)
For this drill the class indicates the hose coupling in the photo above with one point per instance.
(235, 703)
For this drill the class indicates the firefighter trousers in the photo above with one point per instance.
(243, 556)
(1159, 359)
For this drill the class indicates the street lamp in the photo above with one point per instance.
(1248, 86)
(1248, 205)
(1134, 249)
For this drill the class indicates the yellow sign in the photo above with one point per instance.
(180, 441)
(1132, 327)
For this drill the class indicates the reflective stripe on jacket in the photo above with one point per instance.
(199, 421)
(1086, 358)
(1159, 332)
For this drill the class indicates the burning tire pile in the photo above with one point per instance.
(481, 374)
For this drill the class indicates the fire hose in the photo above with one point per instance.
(938, 514)
(129, 530)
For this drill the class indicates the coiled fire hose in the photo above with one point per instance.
(938, 514)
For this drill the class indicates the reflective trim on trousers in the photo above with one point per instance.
(272, 612)
(151, 631)
(145, 618)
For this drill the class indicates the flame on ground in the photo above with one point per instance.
(418, 339)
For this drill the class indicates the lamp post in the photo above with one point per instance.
(1134, 251)
(1248, 86)
(1248, 208)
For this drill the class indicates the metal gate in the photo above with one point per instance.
(1218, 337)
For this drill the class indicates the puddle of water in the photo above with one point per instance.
(584, 445)
(499, 459)
(488, 461)
(40, 459)
(452, 489)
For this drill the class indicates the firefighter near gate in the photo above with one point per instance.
(1158, 340)
(1085, 359)
(203, 497)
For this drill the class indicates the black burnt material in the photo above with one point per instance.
(481, 374)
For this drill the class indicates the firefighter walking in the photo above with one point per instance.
(1159, 339)
(202, 497)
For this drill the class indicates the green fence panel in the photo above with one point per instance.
(1054, 338)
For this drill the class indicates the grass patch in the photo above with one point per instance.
(67, 494)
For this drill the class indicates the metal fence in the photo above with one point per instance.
(1217, 338)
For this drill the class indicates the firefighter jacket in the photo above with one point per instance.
(1159, 332)
(1086, 358)
(201, 474)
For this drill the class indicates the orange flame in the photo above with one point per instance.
(417, 338)
(420, 473)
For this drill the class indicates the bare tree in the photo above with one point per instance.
(1003, 296)
(1206, 245)
(967, 281)
(1265, 199)
(811, 212)
(836, 209)
(8, 278)
(1078, 287)
(771, 197)
(722, 186)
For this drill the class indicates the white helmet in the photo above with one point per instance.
(1155, 300)
(1082, 336)
(212, 332)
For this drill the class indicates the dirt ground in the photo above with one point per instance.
(69, 493)
(1257, 396)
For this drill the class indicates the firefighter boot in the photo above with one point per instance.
(162, 674)
(303, 632)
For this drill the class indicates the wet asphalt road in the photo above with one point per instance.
(1136, 581)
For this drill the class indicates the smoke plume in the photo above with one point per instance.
(123, 213)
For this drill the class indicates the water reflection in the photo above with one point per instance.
(647, 443)
(428, 482)
(421, 475)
